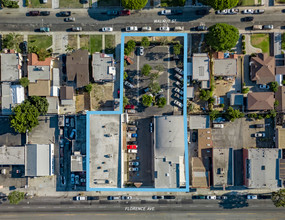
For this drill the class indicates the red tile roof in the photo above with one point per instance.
(34, 60)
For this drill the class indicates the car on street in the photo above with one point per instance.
(34, 13)
(126, 197)
(179, 28)
(141, 50)
(72, 177)
(246, 19)
(132, 142)
(198, 197)
(124, 12)
(221, 12)
(268, 27)
(72, 134)
(157, 197)
(128, 84)
(248, 11)
(129, 106)
(64, 13)
(69, 19)
(113, 198)
(132, 128)
(176, 95)
(92, 197)
(44, 29)
(211, 197)
(134, 135)
(132, 28)
(164, 28)
(169, 197)
(78, 198)
(194, 136)
(76, 180)
(45, 13)
(134, 163)
(201, 28)
(261, 86)
(251, 197)
(107, 29)
(202, 12)
(132, 151)
(259, 134)
(112, 12)
(134, 169)
(165, 12)
(258, 11)
(146, 28)
(259, 125)
(179, 91)
(176, 11)
(177, 103)
(132, 146)
(132, 123)
(76, 29)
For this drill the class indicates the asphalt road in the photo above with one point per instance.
(94, 20)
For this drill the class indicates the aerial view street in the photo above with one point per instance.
(159, 109)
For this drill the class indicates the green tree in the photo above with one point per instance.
(125, 75)
(154, 76)
(274, 86)
(154, 87)
(146, 70)
(147, 100)
(131, 44)
(205, 94)
(214, 114)
(222, 37)
(88, 88)
(24, 82)
(220, 4)
(134, 4)
(283, 81)
(11, 41)
(233, 114)
(161, 102)
(276, 103)
(278, 198)
(177, 48)
(40, 103)
(245, 90)
(15, 197)
(24, 117)
(125, 101)
(145, 42)
(272, 113)
(68, 48)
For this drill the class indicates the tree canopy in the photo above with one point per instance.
(145, 42)
(146, 69)
(24, 81)
(161, 102)
(40, 103)
(274, 86)
(278, 198)
(154, 87)
(134, 4)
(177, 49)
(147, 100)
(222, 37)
(233, 114)
(220, 4)
(130, 47)
(15, 197)
(88, 88)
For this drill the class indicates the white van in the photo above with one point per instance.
(218, 126)
(132, 151)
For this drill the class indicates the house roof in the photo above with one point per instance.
(77, 67)
(40, 88)
(12, 155)
(225, 67)
(34, 60)
(103, 68)
(280, 136)
(280, 96)
(38, 73)
(199, 121)
(260, 101)
(236, 99)
(200, 175)
(190, 92)
(200, 66)
(204, 141)
(262, 68)
(10, 67)
(66, 93)
(53, 107)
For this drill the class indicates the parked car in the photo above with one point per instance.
(257, 27)
(259, 125)
(64, 13)
(132, 28)
(178, 70)
(157, 197)
(177, 103)
(124, 12)
(180, 97)
(72, 134)
(134, 163)
(80, 197)
(67, 122)
(132, 123)
(134, 169)
(251, 197)
(264, 196)
(44, 29)
(146, 28)
(246, 19)
(69, 19)
(45, 13)
(129, 107)
(179, 28)
(126, 197)
(128, 84)
(258, 11)
(259, 134)
(132, 146)
(132, 128)
(76, 29)
(134, 135)
(72, 177)
(232, 11)
(169, 197)
(112, 12)
(261, 86)
(210, 197)
(132, 142)
(165, 12)
(194, 137)
(164, 28)
(92, 197)
(198, 197)
(218, 126)
(76, 179)
(132, 151)
(63, 180)
(179, 84)
(221, 12)
(201, 28)
(34, 13)
(179, 91)
(248, 11)
(179, 77)
(113, 198)
(141, 51)
(268, 27)
(130, 111)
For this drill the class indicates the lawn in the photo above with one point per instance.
(260, 41)
(41, 41)
(72, 40)
(110, 44)
(84, 42)
(38, 4)
(95, 44)
(104, 3)
(70, 4)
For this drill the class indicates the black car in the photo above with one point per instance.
(198, 197)
(245, 19)
(25, 47)
(45, 13)
(202, 12)
(132, 143)
(92, 197)
(259, 125)
(194, 137)
(201, 28)
(64, 13)
(169, 197)
(112, 12)
(34, 13)
(177, 12)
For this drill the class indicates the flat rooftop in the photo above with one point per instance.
(8, 136)
(12, 155)
(199, 121)
(104, 139)
(225, 67)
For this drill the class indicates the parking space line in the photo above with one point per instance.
(138, 78)
(168, 67)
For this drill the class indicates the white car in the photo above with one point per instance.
(231, 11)
(141, 51)
(222, 12)
(133, 169)
(80, 198)
(107, 29)
(251, 196)
(263, 86)
(164, 28)
(177, 103)
(134, 163)
(259, 135)
(248, 11)
(180, 97)
(132, 28)
(179, 91)
(165, 12)
(211, 197)
(147, 28)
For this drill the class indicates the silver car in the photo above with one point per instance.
(177, 103)
(132, 28)
(107, 29)
(77, 29)
(141, 50)
(147, 28)
(164, 28)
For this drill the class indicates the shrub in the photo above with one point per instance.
(24, 82)
(242, 37)
(88, 88)
(146, 70)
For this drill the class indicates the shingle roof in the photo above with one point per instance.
(280, 96)
(260, 101)
(263, 68)
(66, 93)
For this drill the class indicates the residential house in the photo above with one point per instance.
(10, 67)
(236, 99)
(262, 68)
(11, 95)
(260, 101)
(66, 95)
(103, 67)
(201, 69)
(77, 68)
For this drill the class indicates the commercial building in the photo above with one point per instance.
(200, 175)
(10, 67)
(199, 121)
(103, 66)
(201, 69)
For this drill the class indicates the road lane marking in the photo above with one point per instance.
(168, 67)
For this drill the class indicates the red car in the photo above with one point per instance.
(132, 146)
(129, 107)
(125, 12)
(118, 93)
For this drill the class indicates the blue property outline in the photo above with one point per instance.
(186, 159)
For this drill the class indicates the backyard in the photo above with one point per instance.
(70, 4)
(101, 95)
(40, 41)
(260, 41)
(95, 43)
(38, 4)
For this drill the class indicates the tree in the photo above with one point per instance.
(146, 70)
(68, 48)
(222, 37)
(154, 76)
(24, 117)
(125, 75)
(233, 114)
(130, 47)
(134, 4)
(220, 4)
(154, 87)
(125, 101)
(276, 103)
(283, 81)
(40, 103)
(214, 114)
(278, 198)
(145, 42)
(274, 86)
(205, 94)
(88, 88)
(24, 82)
(15, 197)
(245, 90)
(147, 100)
(177, 48)
(161, 102)
(11, 41)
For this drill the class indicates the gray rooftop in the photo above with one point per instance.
(8, 136)
(53, 107)
(262, 168)
(222, 166)
(103, 161)
(55, 77)
(200, 66)
(11, 95)
(199, 121)
(10, 67)
(38, 159)
(38, 72)
(77, 163)
(190, 92)
(12, 155)
(103, 68)
(225, 67)
(169, 147)
(236, 99)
